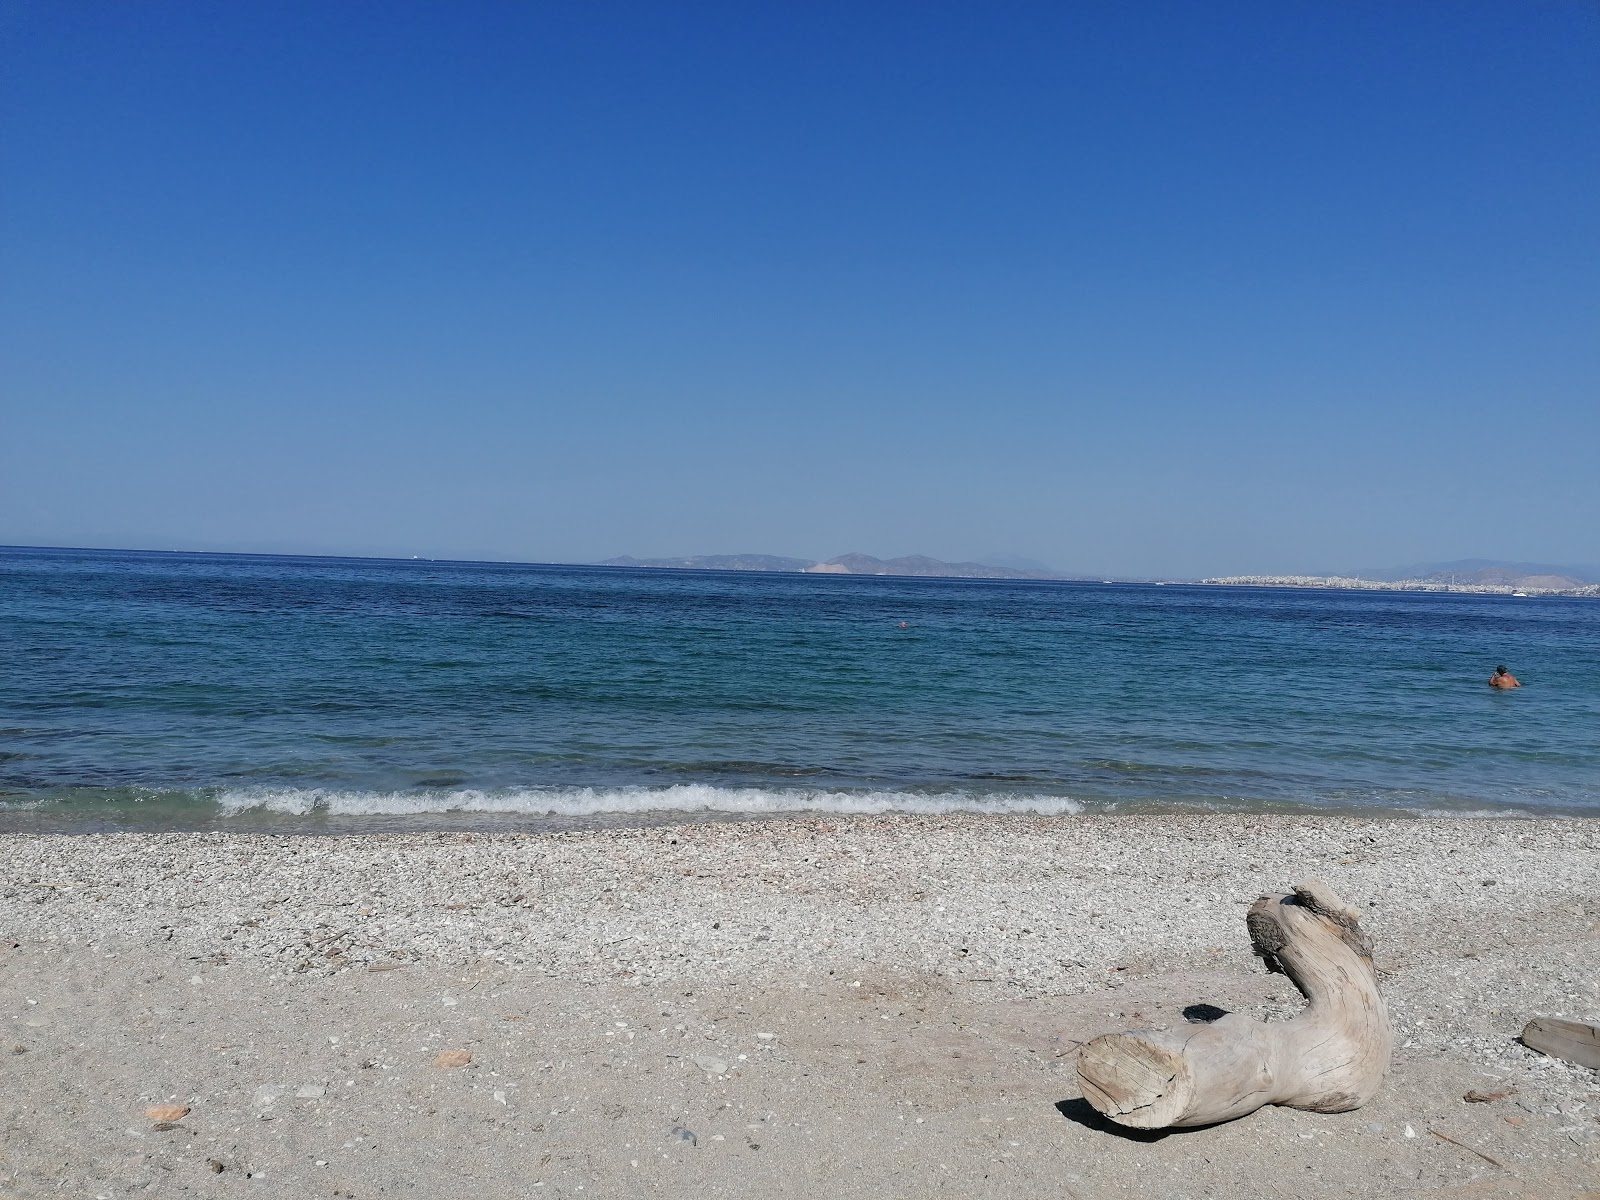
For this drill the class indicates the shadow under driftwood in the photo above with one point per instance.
(1080, 1112)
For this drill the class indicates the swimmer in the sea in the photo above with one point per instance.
(1503, 678)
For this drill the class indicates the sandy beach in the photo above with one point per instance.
(861, 1007)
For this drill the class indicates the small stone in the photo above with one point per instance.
(765, 1037)
(216, 1167)
(1477, 1097)
(452, 1058)
(310, 1091)
(167, 1112)
(266, 1095)
(685, 1135)
(710, 1065)
(1410, 1132)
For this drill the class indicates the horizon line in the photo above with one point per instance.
(520, 562)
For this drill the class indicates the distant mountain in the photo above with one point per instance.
(916, 565)
(1486, 571)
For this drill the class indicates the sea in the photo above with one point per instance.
(154, 691)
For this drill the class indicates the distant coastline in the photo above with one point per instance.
(1473, 576)
(1354, 583)
(911, 566)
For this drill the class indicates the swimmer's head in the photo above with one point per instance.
(1500, 670)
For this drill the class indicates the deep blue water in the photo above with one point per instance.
(193, 689)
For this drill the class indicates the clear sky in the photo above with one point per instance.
(1145, 288)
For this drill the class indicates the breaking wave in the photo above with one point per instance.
(681, 798)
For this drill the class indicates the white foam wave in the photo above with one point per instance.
(684, 798)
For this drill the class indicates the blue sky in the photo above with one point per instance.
(1155, 289)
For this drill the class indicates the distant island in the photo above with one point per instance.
(914, 565)
(1477, 575)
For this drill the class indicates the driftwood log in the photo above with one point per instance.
(1330, 1058)
(1571, 1041)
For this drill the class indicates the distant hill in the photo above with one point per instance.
(916, 565)
(1016, 562)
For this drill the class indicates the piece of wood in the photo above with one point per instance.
(1331, 1058)
(1571, 1041)
(1445, 1137)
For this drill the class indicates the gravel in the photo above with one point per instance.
(863, 975)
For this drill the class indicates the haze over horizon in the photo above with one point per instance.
(1157, 291)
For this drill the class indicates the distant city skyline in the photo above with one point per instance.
(1153, 290)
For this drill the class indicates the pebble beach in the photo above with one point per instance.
(868, 1006)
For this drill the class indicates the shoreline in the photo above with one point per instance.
(207, 817)
(894, 1004)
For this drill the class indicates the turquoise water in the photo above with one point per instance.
(193, 690)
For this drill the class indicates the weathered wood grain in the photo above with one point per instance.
(1572, 1041)
(1331, 1058)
